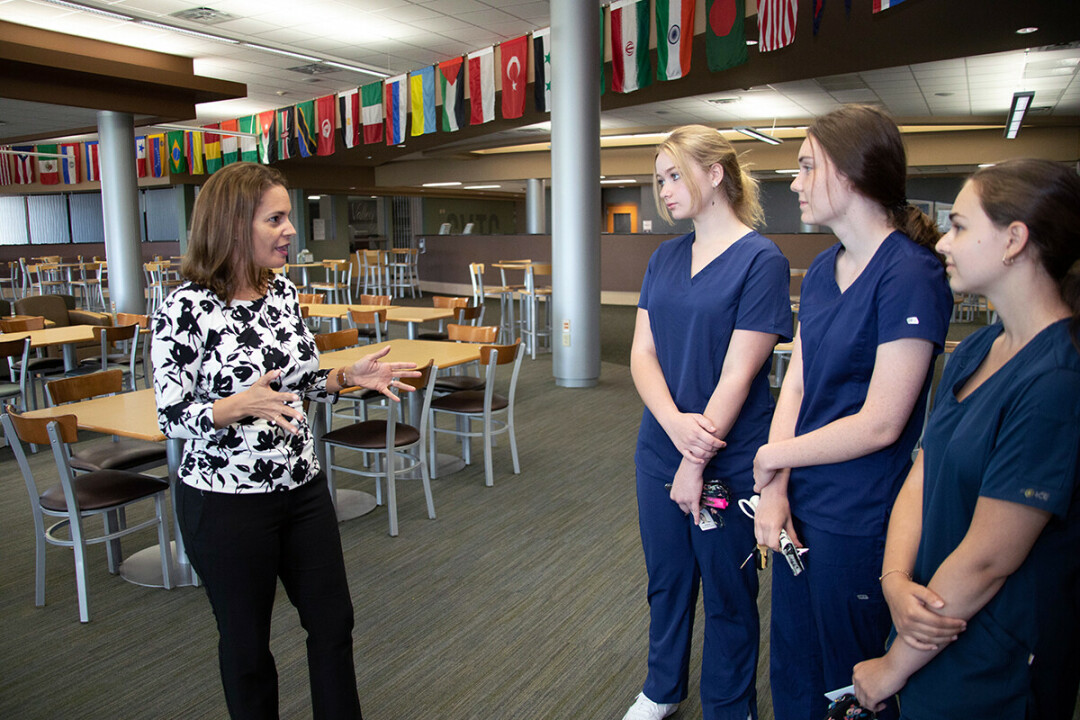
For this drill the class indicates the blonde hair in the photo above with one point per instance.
(691, 145)
(220, 253)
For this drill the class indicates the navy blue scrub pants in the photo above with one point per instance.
(825, 621)
(240, 545)
(679, 556)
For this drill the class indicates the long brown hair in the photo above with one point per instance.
(1045, 196)
(696, 144)
(864, 144)
(220, 254)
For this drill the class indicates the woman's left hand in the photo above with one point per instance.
(368, 372)
(875, 682)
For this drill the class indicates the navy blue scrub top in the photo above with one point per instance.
(1015, 438)
(901, 293)
(744, 288)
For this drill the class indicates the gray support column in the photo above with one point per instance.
(575, 192)
(120, 208)
(534, 206)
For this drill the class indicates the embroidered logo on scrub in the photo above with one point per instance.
(913, 320)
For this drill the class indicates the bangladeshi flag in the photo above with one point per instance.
(725, 34)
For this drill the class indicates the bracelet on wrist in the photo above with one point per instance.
(341, 378)
(905, 573)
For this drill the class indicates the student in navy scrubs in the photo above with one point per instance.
(981, 566)
(874, 311)
(713, 304)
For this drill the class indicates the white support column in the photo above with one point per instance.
(120, 208)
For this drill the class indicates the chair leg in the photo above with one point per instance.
(426, 479)
(391, 491)
(79, 549)
(489, 478)
(513, 439)
(39, 571)
(112, 547)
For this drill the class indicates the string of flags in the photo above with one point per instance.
(379, 112)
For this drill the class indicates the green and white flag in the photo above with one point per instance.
(631, 69)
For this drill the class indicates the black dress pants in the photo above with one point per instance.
(240, 545)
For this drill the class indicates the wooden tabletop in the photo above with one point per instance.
(132, 414)
(55, 335)
(420, 314)
(333, 310)
(445, 354)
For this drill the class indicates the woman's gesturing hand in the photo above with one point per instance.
(368, 372)
(262, 401)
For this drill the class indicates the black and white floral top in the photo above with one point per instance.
(204, 350)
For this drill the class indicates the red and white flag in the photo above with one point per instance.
(93, 161)
(6, 176)
(674, 38)
(482, 85)
(776, 24)
(349, 115)
(514, 56)
(325, 122)
(630, 66)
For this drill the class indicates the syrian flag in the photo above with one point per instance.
(452, 85)
(880, 5)
(776, 24)
(22, 165)
(267, 137)
(514, 62)
(349, 112)
(325, 121)
(140, 156)
(630, 66)
(250, 144)
(675, 18)
(482, 85)
(230, 144)
(542, 69)
(371, 96)
(69, 164)
(48, 167)
(93, 161)
(6, 177)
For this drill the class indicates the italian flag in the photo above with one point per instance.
(630, 65)
(674, 37)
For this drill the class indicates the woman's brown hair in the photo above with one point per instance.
(865, 146)
(704, 146)
(219, 254)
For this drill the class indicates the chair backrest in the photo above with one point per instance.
(83, 387)
(494, 355)
(368, 317)
(472, 315)
(472, 333)
(311, 298)
(50, 307)
(503, 353)
(448, 301)
(9, 325)
(476, 277)
(143, 321)
(17, 351)
(337, 340)
(35, 430)
(374, 299)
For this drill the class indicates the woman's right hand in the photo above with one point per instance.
(692, 435)
(773, 514)
(261, 401)
(913, 608)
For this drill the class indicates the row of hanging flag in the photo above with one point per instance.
(378, 112)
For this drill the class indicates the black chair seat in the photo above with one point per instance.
(121, 455)
(45, 364)
(432, 335)
(468, 401)
(102, 489)
(454, 383)
(366, 333)
(371, 435)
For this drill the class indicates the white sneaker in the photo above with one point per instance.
(645, 709)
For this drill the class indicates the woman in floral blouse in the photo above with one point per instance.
(233, 361)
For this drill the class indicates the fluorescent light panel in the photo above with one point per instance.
(441, 184)
(752, 133)
(89, 9)
(1021, 101)
(481, 187)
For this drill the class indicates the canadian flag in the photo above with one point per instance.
(515, 58)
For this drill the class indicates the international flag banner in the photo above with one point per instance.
(482, 85)
(674, 38)
(326, 121)
(157, 161)
(70, 164)
(349, 112)
(452, 85)
(371, 96)
(286, 133)
(880, 5)
(396, 103)
(6, 177)
(93, 160)
(422, 100)
(250, 144)
(819, 10)
(267, 137)
(230, 144)
(542, 69)
(22, 165)
(193, 148)
(174, 146)
(48, 166)
(141, 168)
(514, 64)
(307, 139)
(725, 34)
(776, 24)
(212, 149)
(630, 66)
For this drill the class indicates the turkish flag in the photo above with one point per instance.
(514, 63)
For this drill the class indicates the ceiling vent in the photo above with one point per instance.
(203, 15)
(723, 100)
(312, 69)
(841, 83)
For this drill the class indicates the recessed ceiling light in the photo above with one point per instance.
(618, 181)
(1027, 30)
(441, 184)
(481, 187)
